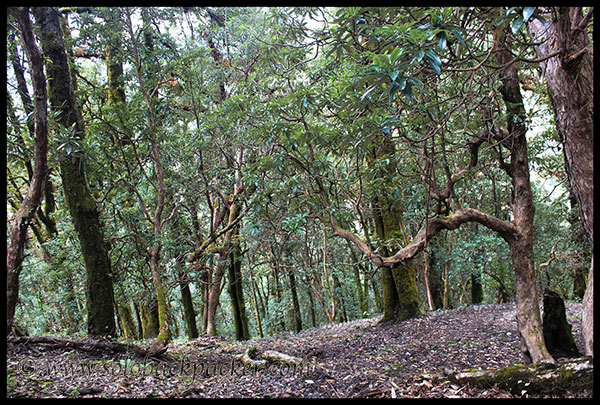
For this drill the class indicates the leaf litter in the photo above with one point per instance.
(357, 359)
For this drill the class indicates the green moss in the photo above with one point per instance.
(566, 373)
(510, 377)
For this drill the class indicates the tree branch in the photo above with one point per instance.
(429, 229)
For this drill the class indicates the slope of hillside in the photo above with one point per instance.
(355, 359)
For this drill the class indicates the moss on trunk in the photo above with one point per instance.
(81, 205)
(399, 283)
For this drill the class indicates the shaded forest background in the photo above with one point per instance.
(247, 171)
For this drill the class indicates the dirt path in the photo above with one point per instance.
(354, 359)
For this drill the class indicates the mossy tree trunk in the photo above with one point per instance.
(127, 323)
(476, 288)
(189, 314)
(399, 283)
(81, 205)
(557, 331)
(149, 319)
(361, 290)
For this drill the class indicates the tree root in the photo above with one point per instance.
(268, 356)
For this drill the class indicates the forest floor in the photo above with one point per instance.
(355, 359)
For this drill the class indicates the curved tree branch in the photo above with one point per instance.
(429, 229)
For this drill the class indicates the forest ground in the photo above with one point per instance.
(355, 359)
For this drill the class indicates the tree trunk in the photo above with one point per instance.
(149, 319)
(297, 317)
(476, 288)
(81, 205)
(523, 209)
(236, 291)
(588, 314)
(557, 331)
(127, 323)
(570, 80)
(164, 334)
(430, 303)
(362, 292)
(189, 314)
(15, 250)
(399, 283)
(214, 292)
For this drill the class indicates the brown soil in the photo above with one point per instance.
(354, 359)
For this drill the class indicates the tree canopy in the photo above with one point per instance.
(320, 164)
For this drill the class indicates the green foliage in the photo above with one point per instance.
(310, 94)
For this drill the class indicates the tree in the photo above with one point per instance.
(157, 218)
(29, 205)
(518, 231)
(567, 62)
(82, 207)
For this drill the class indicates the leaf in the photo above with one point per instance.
(435, 67)
(419, 53)
(433, 57)
(370, 89)
(458, 35)
(393, 90)
(442, 41)
(527, 13)
(407, 91)
(402, 82)
(516, 24)
(395, 54)
(539, 18)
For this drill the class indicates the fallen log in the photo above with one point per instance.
(566, 377)
(88, 345)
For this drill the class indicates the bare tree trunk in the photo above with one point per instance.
(523, 209)
(570, 79)
(214, 292)
(18, 233)
(426, 281)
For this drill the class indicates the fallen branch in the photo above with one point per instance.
(87, 345)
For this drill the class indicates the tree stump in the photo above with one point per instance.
(557, 331)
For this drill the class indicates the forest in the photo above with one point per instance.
(299, 202)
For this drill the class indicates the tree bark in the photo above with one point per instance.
(399, 282)
(557, 330)
(236, 291)
(523, 209)
(81, 205)
(156, 218)
(188, 308)
(18, 234)
(570, 80)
